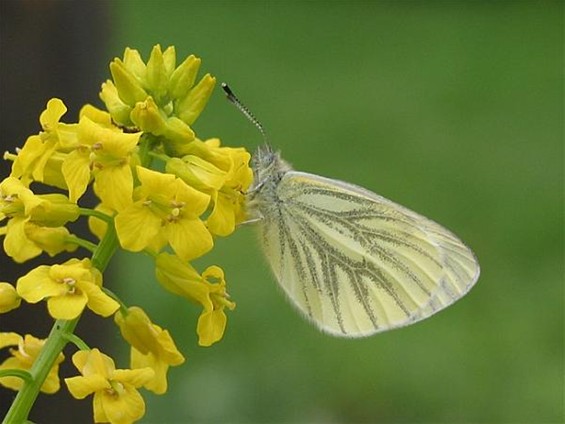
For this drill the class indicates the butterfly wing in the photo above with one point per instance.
(355, 263)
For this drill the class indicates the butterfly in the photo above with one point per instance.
(352, 262)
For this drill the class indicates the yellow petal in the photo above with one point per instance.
(93, 362)
(16, 243)
(96, 115)
(68, 306)
(99, 302)
(195, 201)
(158, 384)
(136, 378)
(136, 226)
(50, 117)
(123, 409)
(189, 238)
(156, 183)
(52, 384)
(37, 285)
(80, 387)
(222, 219)
(76, 170)
(9, 298)
(168, 350)
(114, 186)
(211, 326)
(9, 339)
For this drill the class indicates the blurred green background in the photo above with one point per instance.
(453, 109)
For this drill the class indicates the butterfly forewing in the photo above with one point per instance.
(356, 263)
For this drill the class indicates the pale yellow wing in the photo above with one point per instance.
(355, 263)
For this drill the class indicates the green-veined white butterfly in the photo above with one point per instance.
(351, 261)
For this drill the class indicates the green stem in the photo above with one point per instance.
(161, 156)
(95, 214)
(77, 341)
(106, 249)
(16, 372)
(40, 369)
(88, 245)
(59, 336)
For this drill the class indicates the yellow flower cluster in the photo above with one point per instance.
(118, 155)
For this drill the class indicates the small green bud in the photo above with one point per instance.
(118, 109)
(128, 86)
(189, 108)
(148, 118)
(183, 77)
(156, 78)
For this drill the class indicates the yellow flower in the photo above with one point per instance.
(28, 213)
(68, 288)
(165, 209)
(50, 210)
(9, 298)
(151, 346)
(23, 358)
(229, 201)
(105, 153)
(35, 161)
(222, 172)
(116, 399)
(209, 290)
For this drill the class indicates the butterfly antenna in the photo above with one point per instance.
(243, 109)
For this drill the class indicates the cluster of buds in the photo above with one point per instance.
(118, 154)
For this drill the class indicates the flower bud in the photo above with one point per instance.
(183, 77)
(148, 118)
(118, 109)
(128, 86)
(134, 63)
(197, 172)
(190, 106)
(156, 79)
(54, 210)
(178, 136)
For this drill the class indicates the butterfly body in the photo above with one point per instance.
(354, 263)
